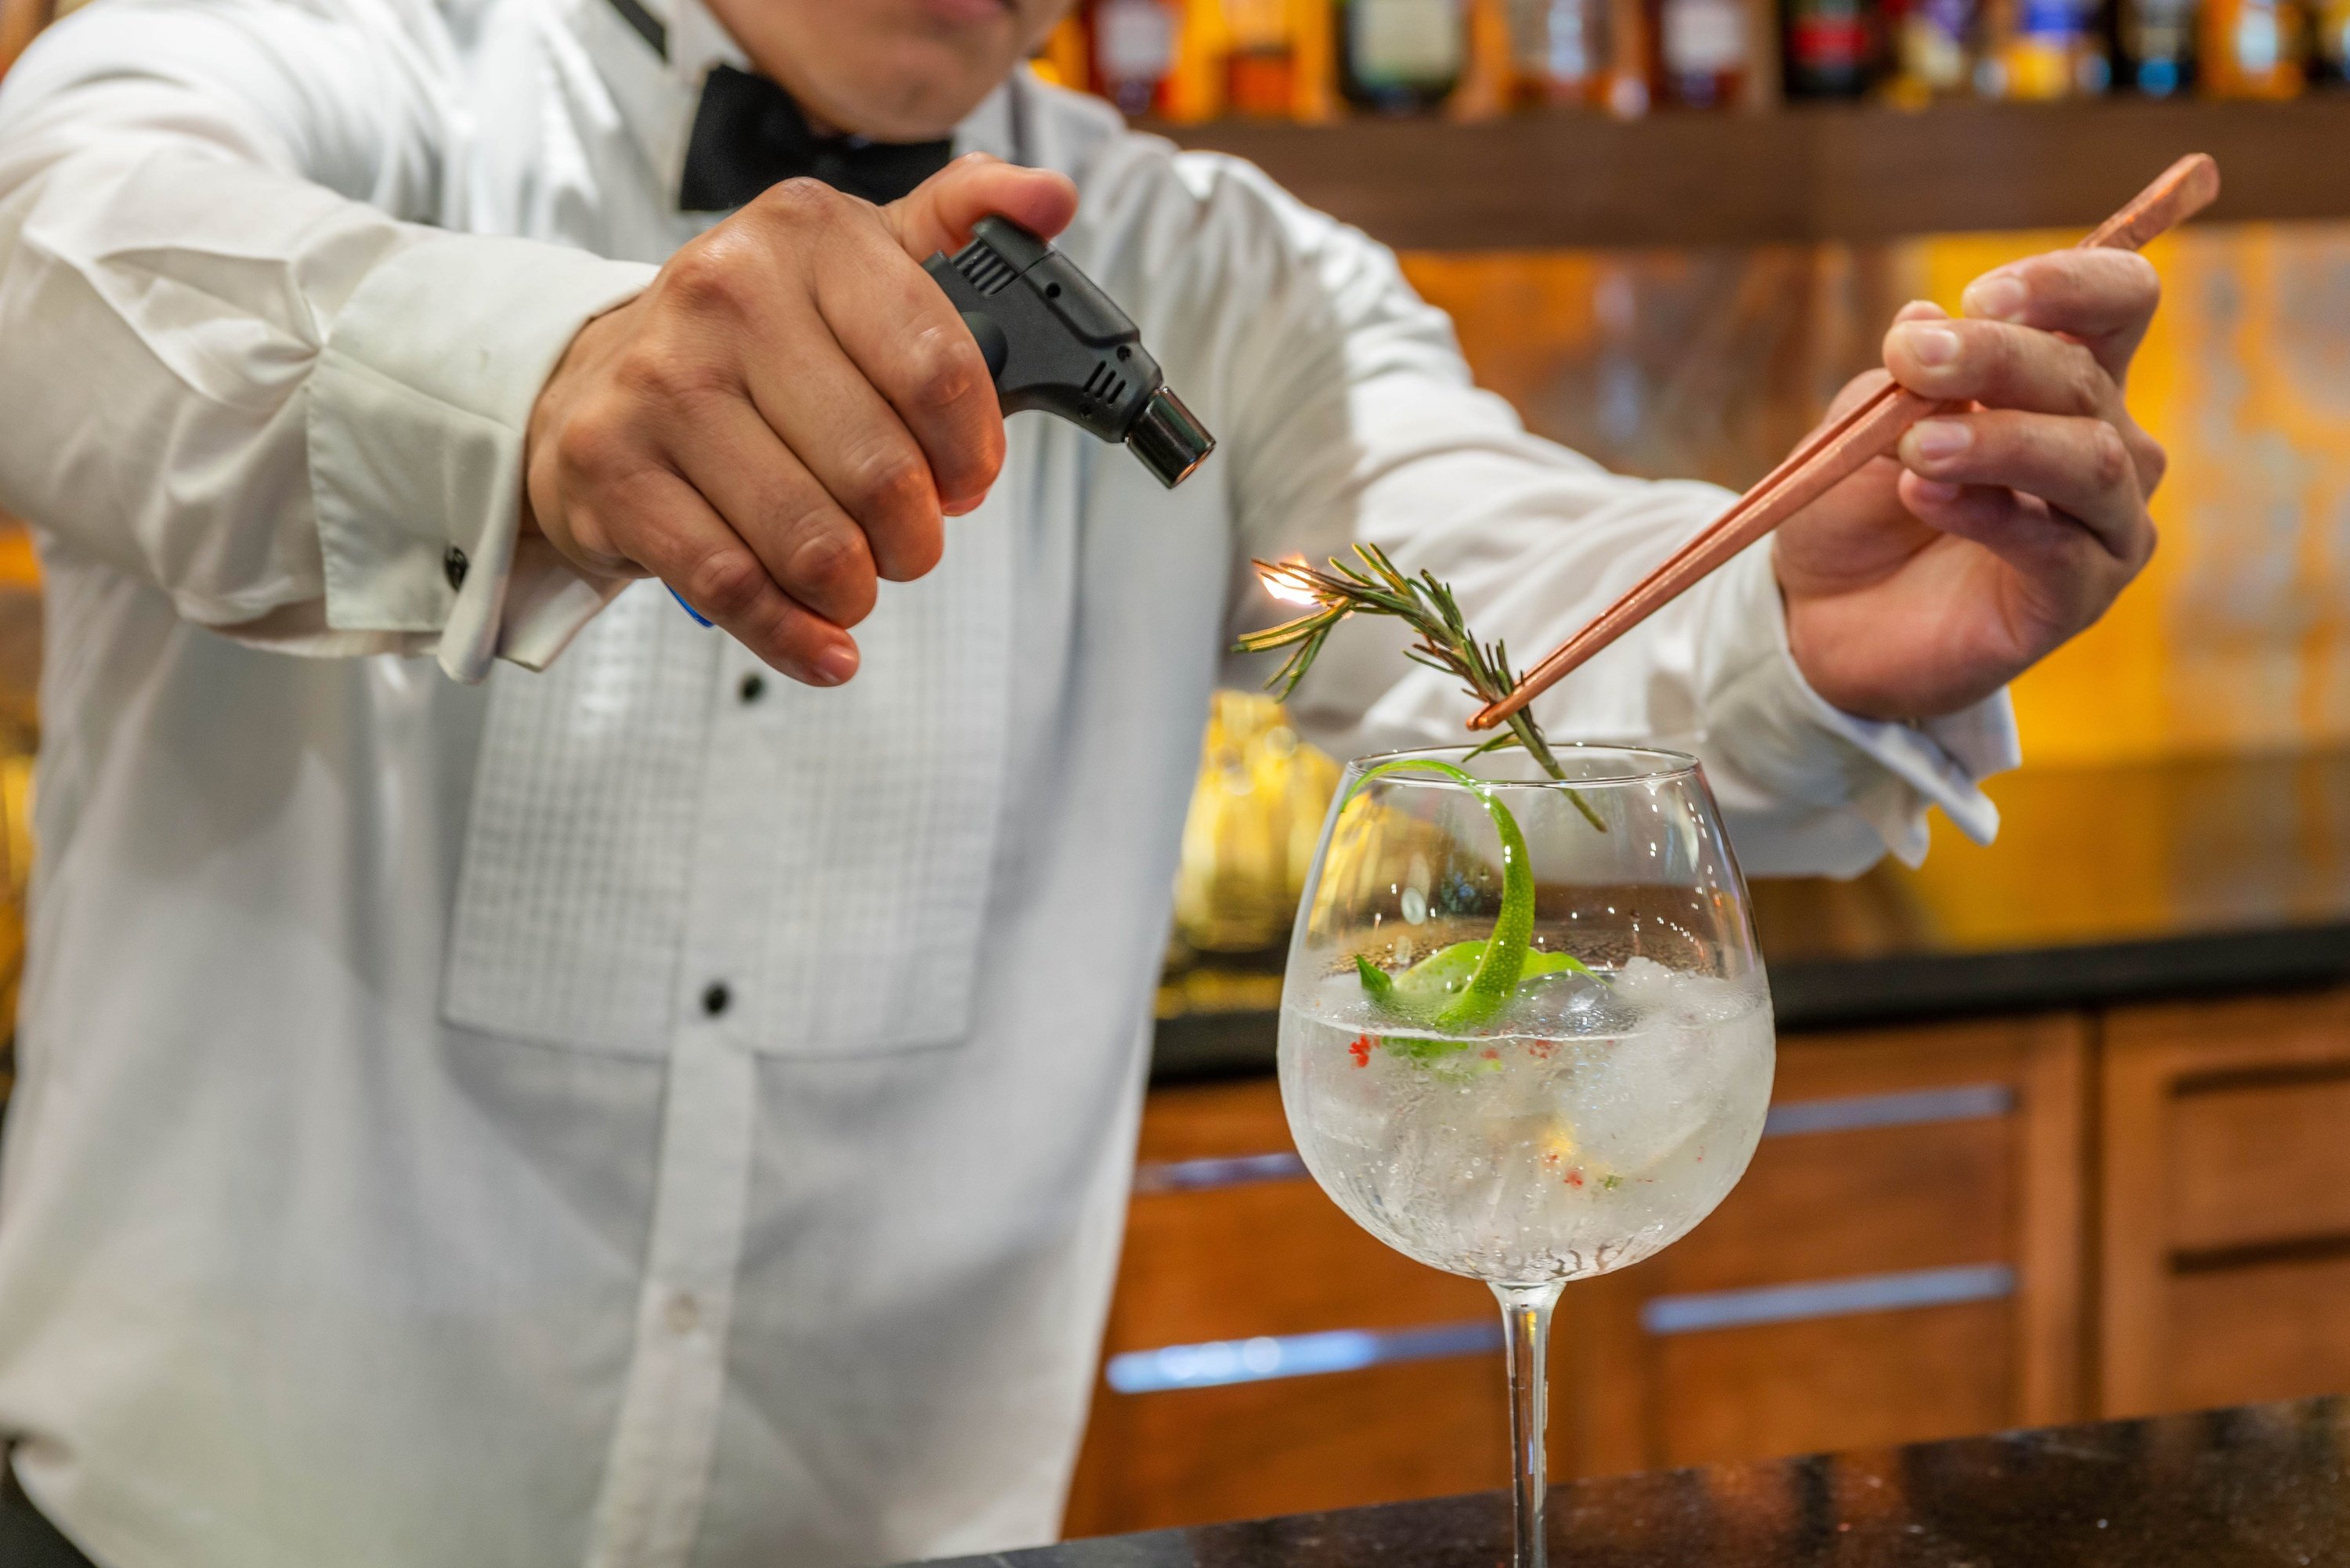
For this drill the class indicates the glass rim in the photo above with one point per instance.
(1677, 764)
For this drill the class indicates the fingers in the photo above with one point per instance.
(885, 398)
(2104, 298)
(1999, 366)
(938, 213)
(2079, 467)
(811, 548)
(681, 540)
(2063, 576)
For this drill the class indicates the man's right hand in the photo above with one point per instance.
(787, 414)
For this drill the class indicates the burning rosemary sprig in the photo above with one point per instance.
(1372, 585)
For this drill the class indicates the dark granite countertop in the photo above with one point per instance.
(2260, 1485)
(2106, 885)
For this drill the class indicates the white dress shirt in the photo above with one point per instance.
(625, 1114)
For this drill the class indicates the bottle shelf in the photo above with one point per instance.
(1808, 173)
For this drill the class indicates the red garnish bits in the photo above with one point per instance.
(1360, 1050)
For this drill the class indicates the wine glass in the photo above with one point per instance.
(1524, 1032)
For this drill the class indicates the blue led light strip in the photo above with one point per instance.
(1205, 1175)
(1827, 1298)
(1220, 1362)
(1966, 1103)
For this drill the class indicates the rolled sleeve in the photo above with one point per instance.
(415, 428)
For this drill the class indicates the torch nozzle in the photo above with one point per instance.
(1169, 438)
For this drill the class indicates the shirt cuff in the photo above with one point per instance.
(417, 412)
(1843, 789)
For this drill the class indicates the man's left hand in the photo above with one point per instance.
(1933, 577)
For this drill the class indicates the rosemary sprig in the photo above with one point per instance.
(1372, 585)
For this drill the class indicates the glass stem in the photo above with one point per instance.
(1525, 1324)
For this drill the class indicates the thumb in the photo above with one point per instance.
(937, 215)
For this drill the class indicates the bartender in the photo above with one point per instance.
(513, 1077)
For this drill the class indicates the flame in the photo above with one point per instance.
(1284, 580)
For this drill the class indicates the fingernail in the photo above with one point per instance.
(1932, 345)
(1999, 297)
(835, 665)
(1938, 439)
(1934, 491)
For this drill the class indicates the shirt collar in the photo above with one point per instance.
(657, 96)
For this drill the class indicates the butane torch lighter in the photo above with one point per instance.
(1054, 341)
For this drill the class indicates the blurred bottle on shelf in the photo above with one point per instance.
(2252, 48)
(1936, 45)
(2155, 45)
(1314, 81)
(1830, 49)
(1401, 57)
(2055, 49)
(1558, 53)
(1066, 57)
(1134, 52)
(1261, 57)
(2329, 54)
(1702, 52)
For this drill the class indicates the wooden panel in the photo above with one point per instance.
(1273, 1257)
(2277, 1331)
(1207, 1121)
(1818, 173)
(1832, 1383)
(1421, 1429)
(2214, 1127)
(1832, 1204)
(2260, 1160)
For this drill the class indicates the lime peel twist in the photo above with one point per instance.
(1468, 983)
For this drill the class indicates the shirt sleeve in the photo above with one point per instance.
(239, 363)
(1352, 417)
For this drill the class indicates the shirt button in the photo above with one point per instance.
(715, 997)
(684, 1314)
(753, 687)
(453, 566)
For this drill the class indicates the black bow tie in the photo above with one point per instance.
(748, 134)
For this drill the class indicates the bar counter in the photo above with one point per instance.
(2261, 1484)
(2106, 885)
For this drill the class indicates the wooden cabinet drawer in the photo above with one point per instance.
(2225, 1186)
(1269, 1257)
(1870, 1201)
(1846, 1382)
(1421, 1429)
(2261, 1158)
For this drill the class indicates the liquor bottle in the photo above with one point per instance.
(1401, 57)
(2252, 48)
(1701, 47)
(1261, 58)
(1134, 52)
(1830, 48)
(2329, 56)
(1558, 50)
(2056, 51)
(1936, 46)
(2155, 45)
